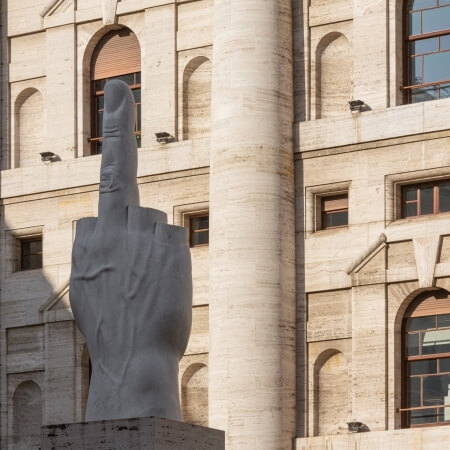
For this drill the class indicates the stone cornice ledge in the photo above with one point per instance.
(390, 123)
(74, 173)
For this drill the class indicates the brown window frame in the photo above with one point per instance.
(420, 186)
(192, 232)
(324, 211)
(22, 256)
(409, 38)
(441, 308)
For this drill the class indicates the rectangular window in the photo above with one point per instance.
(199, 230)
(334, 211)
(425, 198)
(30, 253)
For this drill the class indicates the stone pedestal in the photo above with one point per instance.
(150, 433)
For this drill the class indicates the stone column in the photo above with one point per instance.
(252, 277)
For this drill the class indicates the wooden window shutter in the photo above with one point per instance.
(336, 202)
(429, 304)
(117, 53)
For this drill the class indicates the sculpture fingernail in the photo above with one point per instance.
(113, 97)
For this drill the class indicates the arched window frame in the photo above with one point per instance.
(416, 40)
(428, 314)
(131, 76)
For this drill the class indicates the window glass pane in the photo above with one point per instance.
(416, 76)
(412, 344)
(444, 91)
(200, 238)
(436, 67)
(424, 94)
(139, 117)
(426, 200)
(436, 19)
(98, 148)
(443, 321)
(100, 102)
(35, 261)
(31, 254)
(444, 2)
(35, 246)
(138, 77)
(445, 42)
(420, 4)
(413, 393)
(137, 95)
(335, 219)
(200, 223)
(99, 124)
(410, 193)
(424, 45)
(435, 342)
(100, 84)
(444, 365)
(421, 323)
(426, 366)
(424, 416)
(410, 209)
(435, 388)
(444, 197)
(138, 141)
(129, 78)
(414, 23)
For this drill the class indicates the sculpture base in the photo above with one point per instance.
(149, 433)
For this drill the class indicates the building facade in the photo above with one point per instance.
(305, 146)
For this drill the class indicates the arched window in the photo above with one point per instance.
(427, 50)
(116, 56)
(426, 361)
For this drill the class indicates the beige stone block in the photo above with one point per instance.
(27, 362)
(60, 101)
(160, 75)
(320, 12)
(27, 57)
(151, 433)
(25, 340)
(24, 16)
(369, 356)
(199, 339)
(401, 254)
(194, 25)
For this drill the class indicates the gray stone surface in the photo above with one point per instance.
(151, 433)
(131, 284)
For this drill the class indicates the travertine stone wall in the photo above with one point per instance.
(252, 304)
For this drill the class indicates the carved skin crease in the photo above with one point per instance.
(130, 290)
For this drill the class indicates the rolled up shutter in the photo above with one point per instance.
(429, 304)
(117, 53)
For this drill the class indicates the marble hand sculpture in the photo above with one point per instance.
(131, 284)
